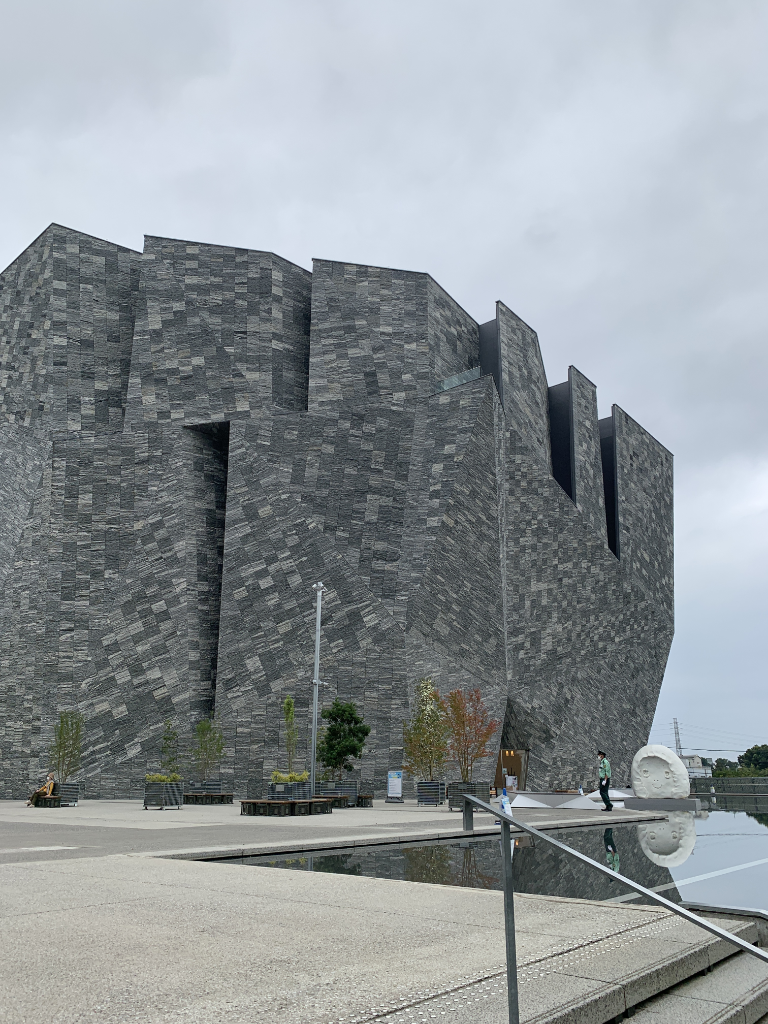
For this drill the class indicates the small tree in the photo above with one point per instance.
(66, 750)
(425, 737)
(470, 729)
(291, 730)
(170, 758)
(343, 738)
(208, 748)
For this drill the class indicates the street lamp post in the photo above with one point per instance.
(318, 588)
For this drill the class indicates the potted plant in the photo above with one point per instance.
(65, 755)
(343, 739)
(425, 743)
(470, 731)
(290, 786)
(164, 788)
(291, 730)
(206, 755)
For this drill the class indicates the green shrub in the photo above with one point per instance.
(344, 738)
(425, 737)
(157, 777)
(291, 730)
(279, 778)
(208, 749)
(65, 752)
(170, 760)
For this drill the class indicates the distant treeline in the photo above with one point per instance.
(751, 764)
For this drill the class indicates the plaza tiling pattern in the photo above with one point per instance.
(191, 436)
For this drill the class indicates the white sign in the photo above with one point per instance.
(395, 784)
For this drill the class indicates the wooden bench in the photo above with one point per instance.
(286, 808)
(209, 798)
(48, 801)
(365, 799)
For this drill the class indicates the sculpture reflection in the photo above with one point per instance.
(668, 843)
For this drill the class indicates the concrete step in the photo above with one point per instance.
(603, 980)
(734, 992)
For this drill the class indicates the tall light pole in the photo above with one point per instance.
(318, 589)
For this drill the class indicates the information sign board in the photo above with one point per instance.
(394, 786)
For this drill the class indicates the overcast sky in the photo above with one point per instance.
(600, 165)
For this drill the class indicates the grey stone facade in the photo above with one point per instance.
(190, 437)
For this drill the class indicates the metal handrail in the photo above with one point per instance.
(509, 911)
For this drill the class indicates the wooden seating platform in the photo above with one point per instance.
(64, 794)
(48, 801)
(339, 801)
(209, 798)
(365, 799)
(285, 808)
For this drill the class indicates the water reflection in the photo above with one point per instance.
(668, 843)
(728, 871)
(538, 868)
(755, 806)
(611, 851)
(449, 865)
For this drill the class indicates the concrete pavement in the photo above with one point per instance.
(104, 827)
(99, 926)
(135, 940)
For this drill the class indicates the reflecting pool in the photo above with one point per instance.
(719, 857)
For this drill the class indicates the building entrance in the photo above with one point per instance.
(511, 764)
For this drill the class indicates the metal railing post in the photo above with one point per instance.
(469, 816)
(509, 922)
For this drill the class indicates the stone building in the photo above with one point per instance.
(191, 436)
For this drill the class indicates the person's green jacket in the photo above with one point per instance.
(605, 769)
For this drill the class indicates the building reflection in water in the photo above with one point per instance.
(648, 851)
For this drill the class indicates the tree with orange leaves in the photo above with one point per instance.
(470, 729)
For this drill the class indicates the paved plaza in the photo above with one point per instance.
(98, 929)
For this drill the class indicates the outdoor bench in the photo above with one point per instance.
(209, 798)
(64, 794)
(365, 799)
(284, 808)
(48, 801)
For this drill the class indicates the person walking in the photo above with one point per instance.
(605, 780)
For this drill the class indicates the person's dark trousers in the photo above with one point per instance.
(605, 785)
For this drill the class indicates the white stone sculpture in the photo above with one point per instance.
(668, 843)
(658, 772)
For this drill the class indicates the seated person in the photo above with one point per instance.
(45, 790)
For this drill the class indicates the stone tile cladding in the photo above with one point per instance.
(192, 436)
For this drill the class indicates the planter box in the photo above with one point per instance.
(290, 790)
(69, 793)
(430, 793)
(456, 791)
(348, 789)
(163, 794)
